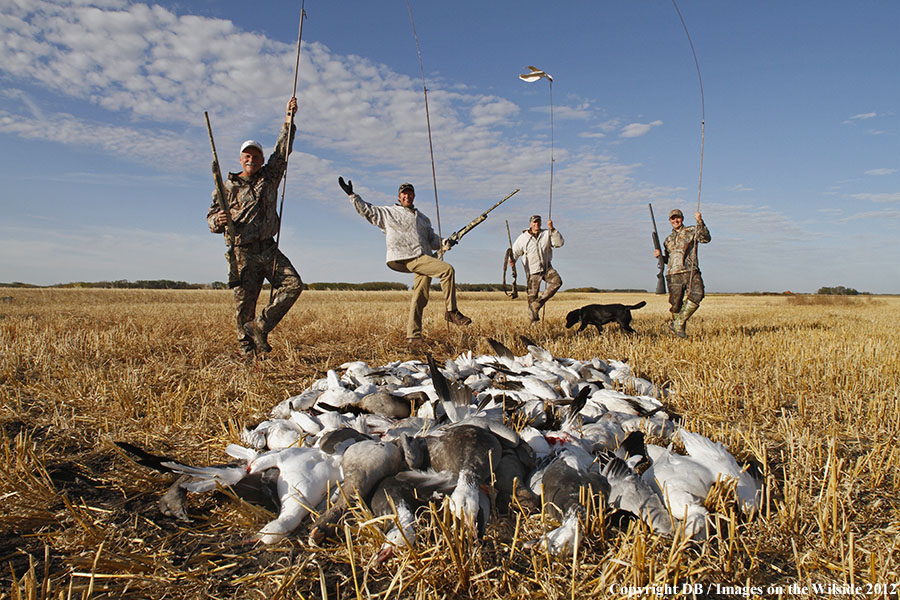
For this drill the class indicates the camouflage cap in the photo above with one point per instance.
(675, 213)
(535, 219)
(406, 187)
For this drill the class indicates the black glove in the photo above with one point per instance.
(347, 186)
(450, 242)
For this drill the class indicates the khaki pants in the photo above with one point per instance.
(554, 282)
(688, 283)
(424, 268)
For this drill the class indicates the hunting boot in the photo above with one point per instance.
(535, 314)
(457, 318)
(680, 318)
(255, 330)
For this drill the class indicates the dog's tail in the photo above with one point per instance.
(636, 306)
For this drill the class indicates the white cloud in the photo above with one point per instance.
(860, 117)
(638, 129)
(881, 171)
(878, 216)
(740, 187)
(165, 149)
(880, 198)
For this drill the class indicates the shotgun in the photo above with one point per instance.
(234, 274)
(660, 276)
(456, 236)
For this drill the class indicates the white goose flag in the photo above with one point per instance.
(535, 75)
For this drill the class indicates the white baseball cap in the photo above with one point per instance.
(253, 144)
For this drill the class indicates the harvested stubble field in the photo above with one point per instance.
(806, 387)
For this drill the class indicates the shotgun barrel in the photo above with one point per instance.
(234, 275)
(661, 259)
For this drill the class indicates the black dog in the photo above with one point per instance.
(600, 314)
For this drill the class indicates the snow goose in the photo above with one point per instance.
(204, 479)
(336, 395)
(304, 477)
(715, 457)
(683, 484)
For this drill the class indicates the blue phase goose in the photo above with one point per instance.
(364, 465)
(629, 493)
(470, 453)
(563, 487)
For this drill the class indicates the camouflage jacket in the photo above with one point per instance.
(679, 246)
(254, 202)
(407, 231)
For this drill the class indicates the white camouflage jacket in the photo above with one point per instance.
(408, 232)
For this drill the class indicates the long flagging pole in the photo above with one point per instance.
(437, 210)
(534, 75)
(702, 127)
(287, 156)
(702, 101)
(552, 159)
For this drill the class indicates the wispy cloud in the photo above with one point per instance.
(740, 187)
(881, 171)
(860, 117)
(638, 129)
(880, 198)
(874, 215)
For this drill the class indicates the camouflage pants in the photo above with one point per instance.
(688, 283)
(255, 265)
(533, 288)
(425, 267)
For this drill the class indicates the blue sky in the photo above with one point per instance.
(106, 160)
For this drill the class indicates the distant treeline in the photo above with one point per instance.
(593, 290)
(371, 286)
(840, 291)
(142, 284)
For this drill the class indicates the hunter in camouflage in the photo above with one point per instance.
(253, 205)
(686, 289)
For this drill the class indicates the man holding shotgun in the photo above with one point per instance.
(411, 243)
(252, 201)
(685, 282)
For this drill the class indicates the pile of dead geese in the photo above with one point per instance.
(478, 432)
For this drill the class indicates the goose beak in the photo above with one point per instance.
(387, 552)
